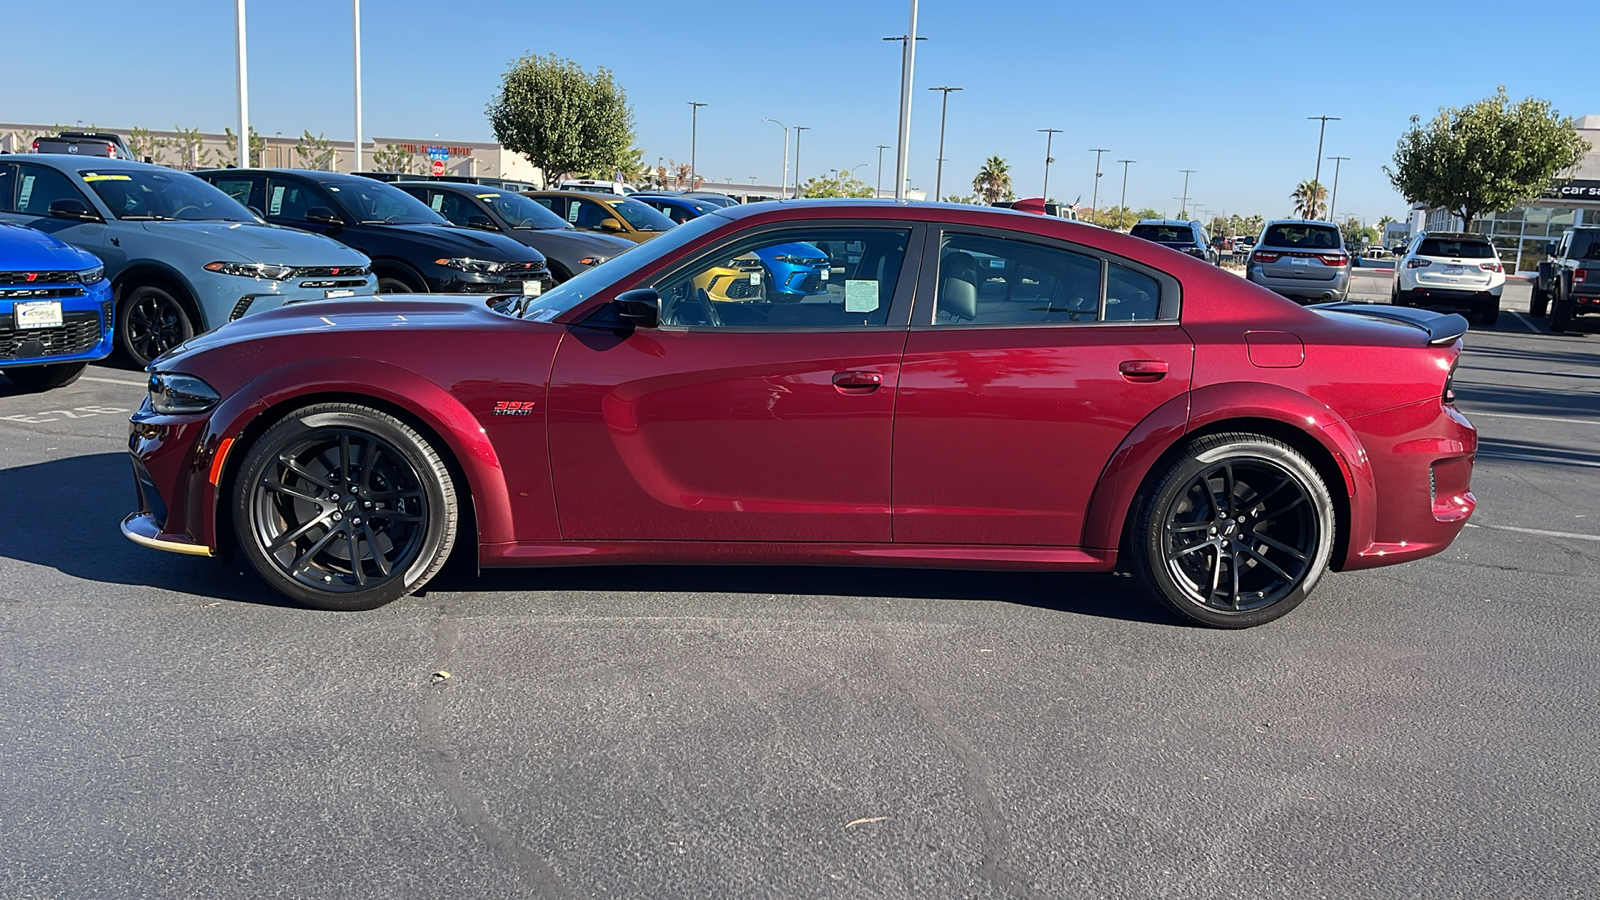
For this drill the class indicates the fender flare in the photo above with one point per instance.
(1208, 406)
(139, 270)
(429, 404)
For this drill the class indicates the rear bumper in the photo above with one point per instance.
(1453, 298)
(1422, 457)
(1335, 288)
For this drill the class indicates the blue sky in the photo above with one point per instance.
(1220, 88)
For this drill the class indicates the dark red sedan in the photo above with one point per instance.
(968, 387)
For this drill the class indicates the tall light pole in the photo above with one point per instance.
(783, 183)
(1335, 198)
(1185, 207)
(944, 105)
(877, 192)
(355, 17)
(797, 130)
(244, 86)
(908, 65)
(694, 133)
(1122, 207)
(1049, 135)
(1094, 201)
(1317, 178)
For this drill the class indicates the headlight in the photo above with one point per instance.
(592, 261)
(468, 264)
(252, 270)
(92, 276)
(172, 394)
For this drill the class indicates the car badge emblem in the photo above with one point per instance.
(32, 275)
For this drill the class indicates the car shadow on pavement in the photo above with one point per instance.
(64, 515)
(1535, 452)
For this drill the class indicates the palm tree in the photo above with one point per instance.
(1308, 199)
(993, 183)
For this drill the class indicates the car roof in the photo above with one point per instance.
(315, 175)
(1167, 222)
(1300, 222)
(1455, 236)
(69, 161)
(461, 187)
(587, 195)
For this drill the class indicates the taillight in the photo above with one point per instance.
(1580, 276)
(1491, 267)
(36, 146)
(1262, 256)
(1417, 263)
(1332, 259)
(1449, 395)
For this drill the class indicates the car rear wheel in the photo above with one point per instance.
(1560, 313)
(1490, 314)
(44, 378)
(1235, 532)
(343, 507)
(395, 283)
(1538, 302)
(151, 321)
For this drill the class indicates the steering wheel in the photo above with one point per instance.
(178, 213)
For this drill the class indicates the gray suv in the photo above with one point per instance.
(182, 256)
(1302, 259)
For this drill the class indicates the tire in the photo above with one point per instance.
(150, 321)
(1258, 569)
(1560, 313)
(558, 273)
(301, 522)
(394, 283)
(47, 377)
(1490, 315)
(1538, 302)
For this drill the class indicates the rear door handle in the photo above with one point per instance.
(1143, 369)
(858, 380)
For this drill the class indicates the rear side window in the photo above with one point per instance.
(1456, 249)
(1585, 245)
(1302, 237)
(1165, 234)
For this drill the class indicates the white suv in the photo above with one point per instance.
(596, 186)
(1450, 271)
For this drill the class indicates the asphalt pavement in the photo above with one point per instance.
(168, 728)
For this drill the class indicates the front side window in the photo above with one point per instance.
(237, 188)
(640, 216)
(376, 203)
(38, 187)
(522, 213)
(458, 209)
(815, 277)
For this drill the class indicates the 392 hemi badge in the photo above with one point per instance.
(513, 408)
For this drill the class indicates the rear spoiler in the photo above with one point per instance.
(1442, 328)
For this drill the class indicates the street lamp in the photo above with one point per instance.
(877, 192)
(908, 62)
(783, 183)
(797, 130)
(1335, 197)
(244, 86)
(694, 129)
(1094, 202)
(1317, 178)
(1049, 135)
(1185, 207)
(944, 105)
(1122, 208)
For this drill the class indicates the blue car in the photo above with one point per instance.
(55, 309)
(183, 257)
(798, 270)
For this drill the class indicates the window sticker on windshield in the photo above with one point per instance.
(545, 315)
(93, 176)
(487, 196)
(437, 203)
(860, 296)
(27, 191)
(275, 205)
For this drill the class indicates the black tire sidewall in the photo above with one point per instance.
(443, 516)
(47, 377)
(125, 311)
(1198, 455)
(390, 284)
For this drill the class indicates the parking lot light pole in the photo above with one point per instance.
(1094, 200)
(944, 106)
(1334, 197)
(694, 132)
(908, 54)
(355, 13)
(797, 130)
(244, 87)
(1049, 135)
(1184, 201)
(1122, 207)
(783, 183)
(1317, 178)
(877, 192)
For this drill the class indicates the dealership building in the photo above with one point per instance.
(1520, 234)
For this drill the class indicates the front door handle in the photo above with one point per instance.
(855, 380)
(1143, 369)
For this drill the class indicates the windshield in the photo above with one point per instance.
(620, 270)
(158, 194)
(1305, 237)
(374, 202)
(1164, 234)
(521, 212)
(640, 216)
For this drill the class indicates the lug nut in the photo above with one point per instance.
(355, 521)
(337, 517)
(367, 504)
(335, 496)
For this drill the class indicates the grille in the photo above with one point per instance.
(741, 289)
(808, 283)
(330, 272)
(80, 331)
(1433, 488)
(516, 270)
(39, 278)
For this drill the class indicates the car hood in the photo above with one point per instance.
(583, 242)
(252, 242)
(454, 241)
(26, 250)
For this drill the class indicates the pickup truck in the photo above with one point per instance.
(85, 143)
(1568, 283)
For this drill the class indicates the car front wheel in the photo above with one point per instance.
(1235, 532)
(151, 321)
(344, 507)
(44, 378)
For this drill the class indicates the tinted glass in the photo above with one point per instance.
(1164, 234)
(458, 209)
(676, 213)
(520, 212)
(38, 187)
(8, 186)
(237, 188)
(1131, 296)
(374, 202)
(1456, 249)
(1302, 237)
(999, 281)
(163, 194)
(292, 199)
(819, 277)
(1585, 245)
(640, 216)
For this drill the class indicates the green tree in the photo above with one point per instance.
(394, 158)
(1358, 234)
(968, 199)
(845, 185)
(1486, 157)
(1119, 218)
(1309, 199)
(314, 152)
(993, 182)
(230, 156)
(1250, 225)
(1146, 213)
(188, 143)
(142, 143)
(561, 118)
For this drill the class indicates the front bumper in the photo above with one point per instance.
(83, 336)
(225, 298)
(1422, 456)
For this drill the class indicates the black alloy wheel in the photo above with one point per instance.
(1236, 532)
(151, 321)
(392, 285)
(342, 507)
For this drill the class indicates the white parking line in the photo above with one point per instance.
(1539, 531)
(112, 381)
(1533, 418)
(1525, 323)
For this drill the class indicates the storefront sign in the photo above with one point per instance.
(1577, 189)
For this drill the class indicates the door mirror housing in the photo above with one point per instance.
(1549, 247)
(609, 226)
(641, 307)
(72, 208)
(482, 223)
(322, 215)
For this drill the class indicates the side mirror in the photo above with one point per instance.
(71, 208)
(482, 223)
(642, 307)
(323, 215)
(1549, 248)
(610, 226)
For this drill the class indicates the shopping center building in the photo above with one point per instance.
(1521, 234)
